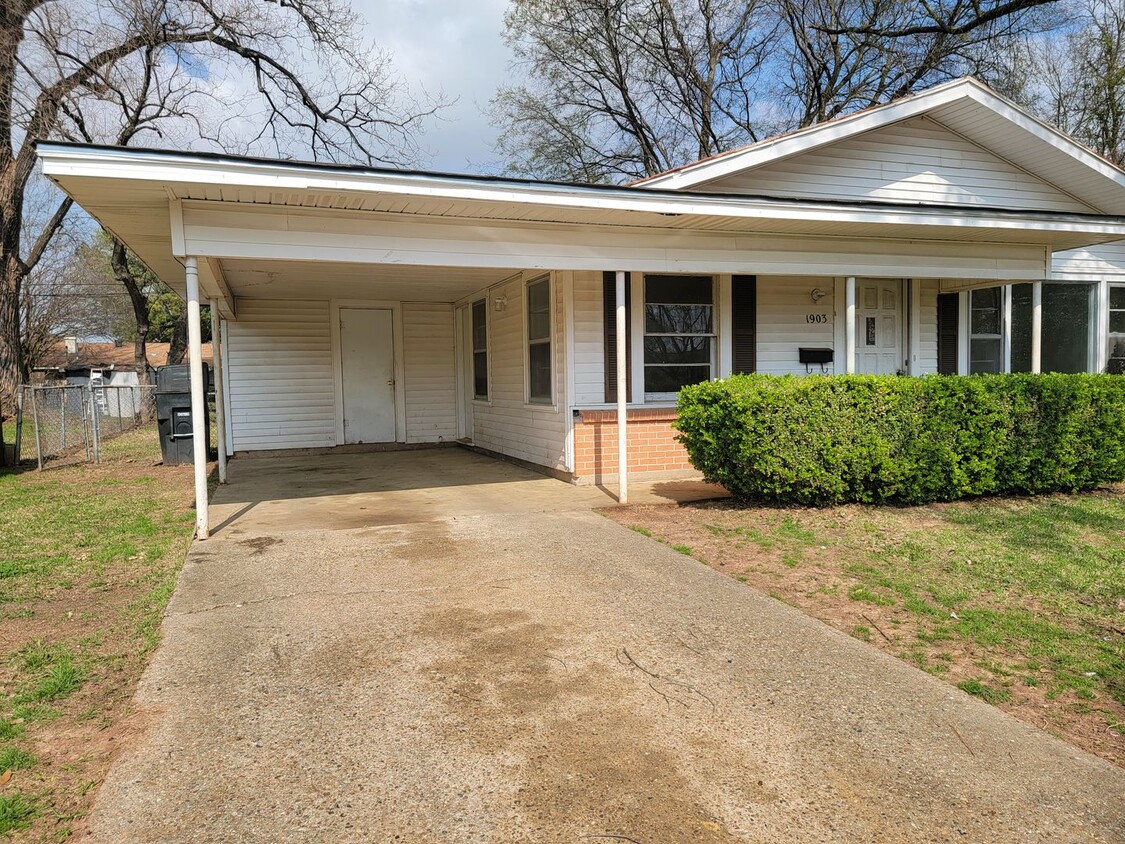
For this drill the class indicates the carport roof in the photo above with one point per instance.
(138, 193)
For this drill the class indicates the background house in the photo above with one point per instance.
(73, 361)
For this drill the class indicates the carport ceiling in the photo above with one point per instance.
(306, 279)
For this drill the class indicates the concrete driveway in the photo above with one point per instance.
(477, 656)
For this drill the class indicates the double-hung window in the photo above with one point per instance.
(986, 330)
(480, 349)
(539, 341)
(1116, 356)
(679, 337)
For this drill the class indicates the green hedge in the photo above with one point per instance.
(826, 439)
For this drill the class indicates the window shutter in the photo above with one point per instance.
(609, 336)
(744, 323)
(948, 318)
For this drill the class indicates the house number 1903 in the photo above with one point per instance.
(816, 319)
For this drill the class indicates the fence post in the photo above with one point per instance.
(84, 407)
(117, 395)
(62, 418)
(95, 435)
(35, 421)
(19, 423)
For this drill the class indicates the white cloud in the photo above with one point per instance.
(453, 47)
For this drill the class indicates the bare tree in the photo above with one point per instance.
(116, 70)
(618, 89)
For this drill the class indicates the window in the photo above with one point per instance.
(679, 341)
(539, 341)
(1021, 327)
(1068, 322)
(480, 349)
(1116, 356)
(986, 339)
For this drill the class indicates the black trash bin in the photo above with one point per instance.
(173, 413)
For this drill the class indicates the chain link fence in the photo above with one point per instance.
(68, 424)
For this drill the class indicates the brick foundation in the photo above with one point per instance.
(652, 447)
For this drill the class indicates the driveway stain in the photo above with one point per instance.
(593, 767)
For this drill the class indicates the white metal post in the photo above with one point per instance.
(622, 394)
(198, 398)
(1101, 335)
(1006, 329)
(849, 325)
(1037, 326)
(220, 404)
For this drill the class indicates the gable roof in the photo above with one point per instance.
(966, 107)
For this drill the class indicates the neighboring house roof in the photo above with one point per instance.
(108, 356)
(965, 106)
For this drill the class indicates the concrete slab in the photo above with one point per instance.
(533, 672)
(342, 491)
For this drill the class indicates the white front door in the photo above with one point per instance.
(878, 330)
(367, 374)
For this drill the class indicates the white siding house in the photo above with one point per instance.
(946, 232)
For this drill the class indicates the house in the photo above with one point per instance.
(74, 362)
(553, 324)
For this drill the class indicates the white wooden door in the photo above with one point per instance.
(878, 336)
(367, 373)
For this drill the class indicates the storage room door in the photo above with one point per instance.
(367, 374)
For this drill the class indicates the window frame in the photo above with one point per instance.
(1001, 337)
(474, 351)
(548, 400)
(644, 334)
(1111, 335)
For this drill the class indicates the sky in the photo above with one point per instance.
(453, 47)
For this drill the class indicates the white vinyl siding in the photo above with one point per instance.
(589, 353)
(1091, 264)
(784, 305)
(927, 346)
(507, 423)
(279, 360)
(918, 160)
(431, 403)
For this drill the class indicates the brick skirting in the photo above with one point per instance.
(652, 445)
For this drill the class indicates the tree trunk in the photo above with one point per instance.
(119, 260)
(178, 347)
(13, 364)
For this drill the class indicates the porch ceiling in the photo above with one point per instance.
(302, 279)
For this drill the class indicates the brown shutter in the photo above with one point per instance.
(948, 321)
(609, 336)
(744, 323)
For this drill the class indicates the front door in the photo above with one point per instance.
(878, 338)
(367, 373)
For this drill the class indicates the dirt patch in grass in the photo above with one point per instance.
(90, 558)
(1017, 601)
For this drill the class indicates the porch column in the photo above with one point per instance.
(622, 393)
(1101, 335)
(198, 398)
(849, 325)
(1037, 326)
(220, 403)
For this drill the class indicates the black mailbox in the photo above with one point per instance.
(173, 413)
(815, 357)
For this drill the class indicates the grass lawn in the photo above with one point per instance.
(88, 561)
(1020, 602)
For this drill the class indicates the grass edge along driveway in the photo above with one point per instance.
(90, 557)
(1018, 601)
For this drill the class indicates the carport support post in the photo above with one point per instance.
(1037, 326)
(220, 406)
(198, 399)
(849, 325)
(622, 394)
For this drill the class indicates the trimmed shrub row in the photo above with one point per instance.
(886, 439)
